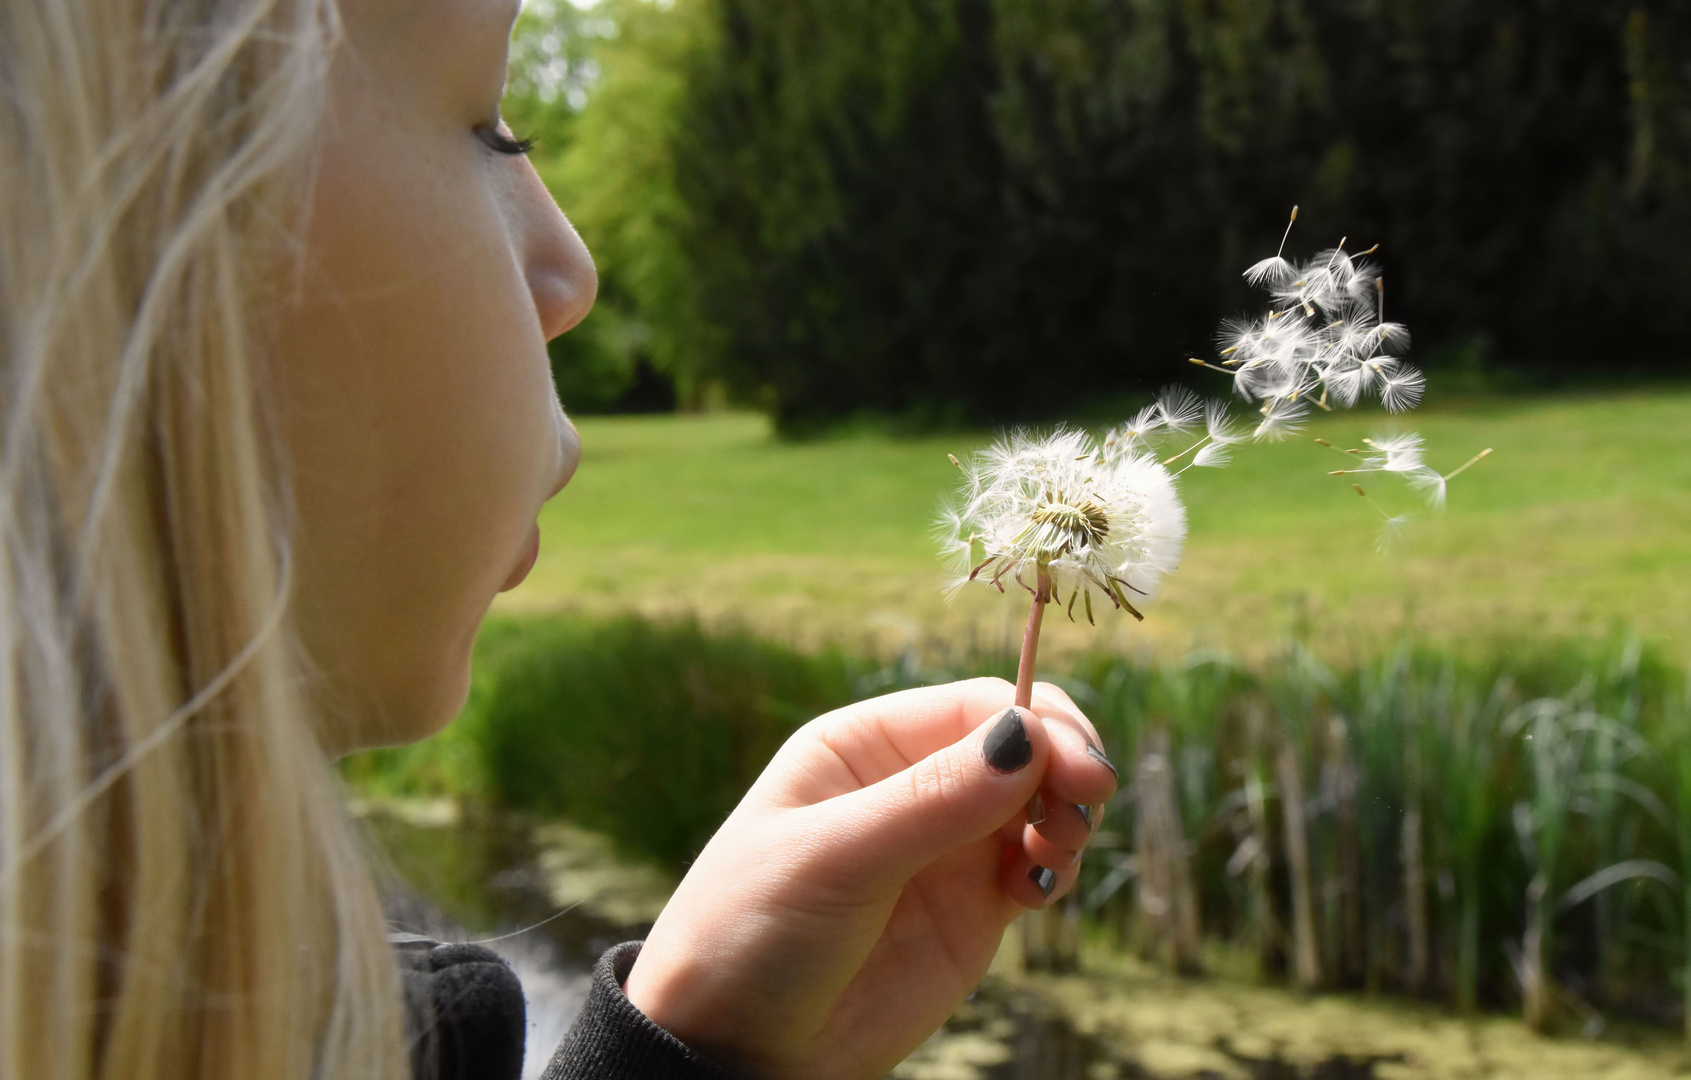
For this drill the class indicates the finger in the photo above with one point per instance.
(1049, 699)
(959, 794)
(1079, 773)
(1033, 884)
(865, 743)
(1063, 825)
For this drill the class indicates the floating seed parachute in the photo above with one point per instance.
(1067, 514)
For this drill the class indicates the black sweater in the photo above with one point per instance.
(466, 1018)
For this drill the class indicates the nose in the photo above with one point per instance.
(559, 271)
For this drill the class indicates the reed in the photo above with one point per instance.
(1507, 831)
(1437, 825)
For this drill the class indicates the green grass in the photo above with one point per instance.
(1581, 521)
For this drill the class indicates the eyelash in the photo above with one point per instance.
(501, 143)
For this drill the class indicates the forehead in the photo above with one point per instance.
(399, 16)
(432, 39)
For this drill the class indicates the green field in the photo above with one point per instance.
(1578, 524)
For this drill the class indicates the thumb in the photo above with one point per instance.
(953, 797)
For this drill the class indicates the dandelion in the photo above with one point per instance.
(1065, 515)
(1068, 514)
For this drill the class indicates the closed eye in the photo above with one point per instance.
(501, 143)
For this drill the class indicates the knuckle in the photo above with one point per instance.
(940, 782)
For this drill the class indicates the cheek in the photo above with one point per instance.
(419, 414)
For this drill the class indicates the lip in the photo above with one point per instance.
(525, 562)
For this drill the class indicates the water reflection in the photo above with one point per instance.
(550, 898)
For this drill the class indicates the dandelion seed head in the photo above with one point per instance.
(1060, 502)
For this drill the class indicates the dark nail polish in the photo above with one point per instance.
(1098, 755)
(1007, 747)
(1036, 809)
(1085, 814)
(1045, 879)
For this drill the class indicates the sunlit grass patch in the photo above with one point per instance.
(1581, 521)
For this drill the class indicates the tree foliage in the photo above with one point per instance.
(996, 209)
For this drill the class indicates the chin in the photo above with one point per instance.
(413, 709)
(434, 701)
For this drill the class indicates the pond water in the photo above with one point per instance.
(550, 898)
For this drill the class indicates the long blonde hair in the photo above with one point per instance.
(180, 893)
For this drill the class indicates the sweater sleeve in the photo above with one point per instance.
(613, 1040)
(464, 1011)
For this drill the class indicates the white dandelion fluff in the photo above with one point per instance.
(1324, 343)
(1067, 514)
(1060, 516)
(1323, 340)
(1281, 416)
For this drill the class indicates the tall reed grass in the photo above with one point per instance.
(1509, 831)
(1512, 831)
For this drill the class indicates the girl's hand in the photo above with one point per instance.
(860, 889)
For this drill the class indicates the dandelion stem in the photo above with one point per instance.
(1030, 640)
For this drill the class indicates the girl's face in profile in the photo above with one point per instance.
(417, 401)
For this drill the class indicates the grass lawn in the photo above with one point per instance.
(1580, 523)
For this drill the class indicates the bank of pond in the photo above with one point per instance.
(1506, 833)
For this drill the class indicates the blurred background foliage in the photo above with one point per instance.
(963, 211)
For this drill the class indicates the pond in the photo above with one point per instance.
(550, 897)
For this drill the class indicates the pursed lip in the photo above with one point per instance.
(525, 562)
(569, 456)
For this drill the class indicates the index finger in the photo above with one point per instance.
(865, 743)
(1053, 702)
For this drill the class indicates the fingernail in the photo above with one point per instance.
(1098, 755)
(1007, 747)
(1036, 809)
(1085, 813)
(1045, 879)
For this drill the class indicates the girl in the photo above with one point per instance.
(275, 287)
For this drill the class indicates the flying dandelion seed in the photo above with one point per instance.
(1325, 343)
(1063, 515)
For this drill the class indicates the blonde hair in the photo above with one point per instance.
(181, 895)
